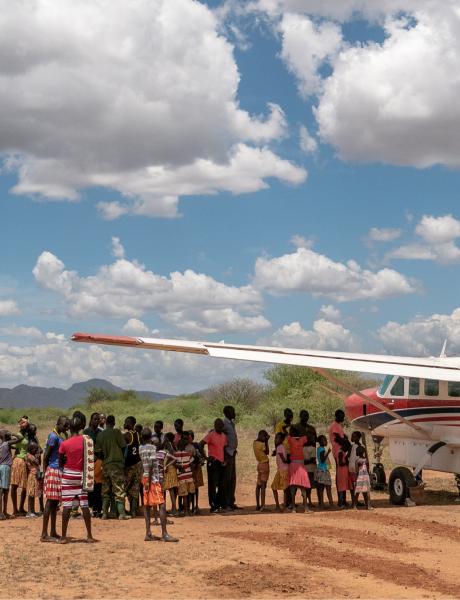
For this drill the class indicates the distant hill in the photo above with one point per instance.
(39, 397)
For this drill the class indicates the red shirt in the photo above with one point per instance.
(334, 428)
(73, 450)
(216, 444)
(296, 447)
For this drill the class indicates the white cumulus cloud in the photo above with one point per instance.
(9, 308)
(423, 336)
(437, 241)
(397, 102)
(306, 46)
(310, 272)
(138, 97)
(382, 234)
(189, 300)
(324, 335)
(135, 327)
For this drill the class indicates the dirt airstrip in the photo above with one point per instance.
(387, 553)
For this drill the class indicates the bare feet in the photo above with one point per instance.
(49, 538)
(90, 540)
(63, 540)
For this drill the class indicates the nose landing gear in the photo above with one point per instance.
(377, 475)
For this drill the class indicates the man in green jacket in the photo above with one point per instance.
(110, 444)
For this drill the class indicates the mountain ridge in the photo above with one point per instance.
(27, 396)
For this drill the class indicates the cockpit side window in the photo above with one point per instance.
(454, 389)
(386, 382)
(431, 387)
(414, 386)
(398, 387)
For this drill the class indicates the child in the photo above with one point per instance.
(52, 484)
(186, 489)
(261, 451)
(34, 481)
(7, 440)
(363, 484)
(164, 460)
(170, 481)
(342, 475)
(153, 493)
(197, 470)
(298, 476)
(355, 444)
(281, 479)
(323, 475)
(309, 455)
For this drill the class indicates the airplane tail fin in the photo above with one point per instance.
(443, 351)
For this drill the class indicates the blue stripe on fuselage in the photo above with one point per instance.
(375, 420)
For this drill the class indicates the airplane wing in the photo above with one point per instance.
(444, 369)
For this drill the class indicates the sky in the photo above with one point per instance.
(276, 172)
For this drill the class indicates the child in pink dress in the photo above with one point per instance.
(363, 483)
(342, 475)
(298, 476)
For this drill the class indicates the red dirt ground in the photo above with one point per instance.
(387, 553)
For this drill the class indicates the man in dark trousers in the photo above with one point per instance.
(230, 457)
(216, 441)
(110, 445)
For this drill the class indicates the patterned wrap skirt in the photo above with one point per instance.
(263, 472)
(198, 477)
(153, 496)
(34, 486)
(52, 487)
(323, 477)
(170, 478)
(281, 480)
(72, 488)
(19, 473)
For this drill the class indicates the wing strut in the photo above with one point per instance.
(325, 373)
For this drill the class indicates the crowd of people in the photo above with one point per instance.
(112, 473)
(303, 463)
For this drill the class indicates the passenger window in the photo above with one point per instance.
(398, 387)
(414, 387)
(431, 387)
(454, 389)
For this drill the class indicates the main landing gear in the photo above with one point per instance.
(399, 485)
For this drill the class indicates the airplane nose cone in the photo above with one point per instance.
(356, 406)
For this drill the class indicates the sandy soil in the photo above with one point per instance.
(387, 553)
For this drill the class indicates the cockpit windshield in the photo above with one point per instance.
(386, 382)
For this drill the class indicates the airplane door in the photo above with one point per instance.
(398, 394)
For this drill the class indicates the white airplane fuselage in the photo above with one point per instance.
(433, 406)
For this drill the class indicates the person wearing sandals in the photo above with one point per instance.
(153, 493)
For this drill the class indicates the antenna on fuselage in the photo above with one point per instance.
(443, 351)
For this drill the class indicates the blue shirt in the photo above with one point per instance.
(321, 465)
(53, 443)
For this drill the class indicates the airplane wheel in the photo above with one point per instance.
(378, 477)
(401, 480)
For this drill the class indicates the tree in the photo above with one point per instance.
(97, 396)
(243, 394)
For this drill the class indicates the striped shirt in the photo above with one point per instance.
(184, 460)
(148, 454)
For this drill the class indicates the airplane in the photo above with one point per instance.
(415, 411)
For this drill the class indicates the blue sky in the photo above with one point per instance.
(127, 163)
